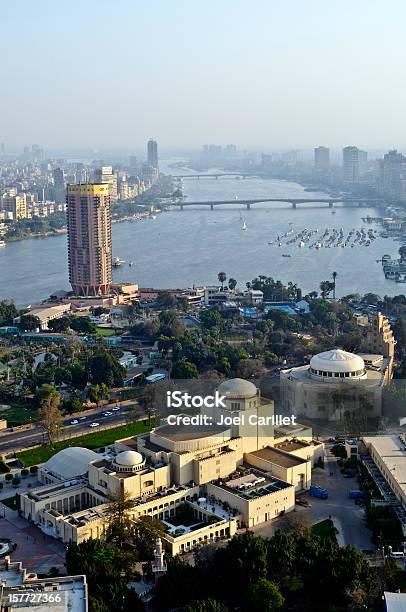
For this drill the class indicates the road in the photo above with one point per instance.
(36, 435)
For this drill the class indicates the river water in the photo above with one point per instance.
(182, 248)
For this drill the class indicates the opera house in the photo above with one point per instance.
(334, 385)
(226, 477)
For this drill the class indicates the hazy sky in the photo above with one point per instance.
(259, 73)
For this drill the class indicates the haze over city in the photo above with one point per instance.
(259, 73)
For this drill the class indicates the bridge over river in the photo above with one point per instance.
(357, 202)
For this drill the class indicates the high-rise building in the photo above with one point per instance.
(133, 163)
(351, 165)
(152, 149)
(321, 158)
(58, 176)
(16, 204)
(391, 176)
(89, 238)
(362, 163)
(105, 174)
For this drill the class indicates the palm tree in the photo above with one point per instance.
(232, 283)
(334, 275)
(222, 276)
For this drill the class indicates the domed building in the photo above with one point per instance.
(335, 385)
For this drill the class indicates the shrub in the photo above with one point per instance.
(16, 481)
(34, 469)
(8, 477)
(3, 467)
(24, 473)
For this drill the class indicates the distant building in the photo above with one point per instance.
(58, 176)
(89, 239)
(391, 176)
(351, 172)
(321, 158)
(105, 174)
(14, 204)
(152, 150)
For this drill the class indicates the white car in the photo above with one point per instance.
(108, 413)
(94, 424)
(74, 422)
(115, 408)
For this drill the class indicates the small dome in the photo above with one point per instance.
(337, 361)
(237, 388)
(129, 458)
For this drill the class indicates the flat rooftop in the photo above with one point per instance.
(254, 484)
(278, 457)
(292, 445)
(392, 451)
(178, 433)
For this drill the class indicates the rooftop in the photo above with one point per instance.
(278, 457)
(292, 445)
(253, 484)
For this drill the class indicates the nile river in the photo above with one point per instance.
(182, 248)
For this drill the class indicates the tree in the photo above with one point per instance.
(29, 322)
(82, 325)
(103, 567)
(8, 312)
(49, 414)
(94, 394)
(222, 276)
(166, 299)
(145, 532)
(334, 275)
(120, 526)
(232, 283)
(326, 287)
(270, 358)
(263, 596)
(184, 369)
(105, 367)
(59, 325)
(242, 562)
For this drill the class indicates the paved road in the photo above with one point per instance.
(23, 439)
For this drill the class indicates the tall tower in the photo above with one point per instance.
(321, 157)
(152, 148)
(350, 165)
(89, 238)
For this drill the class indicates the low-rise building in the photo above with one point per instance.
(22, 590)
(228, 474)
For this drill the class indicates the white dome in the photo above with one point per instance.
(129, 458)
(337, 361)
(237, 388)
(70, 462)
